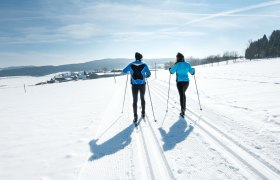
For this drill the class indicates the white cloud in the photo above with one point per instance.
(78, 31)
(75, 32)
(179, 24)
(112, 19)
(230, 12)
(151, 35)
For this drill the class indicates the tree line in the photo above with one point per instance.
(226, 56)
(264, 47)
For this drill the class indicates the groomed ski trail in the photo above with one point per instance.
(233, 151)
(143, 156)
(159, 164)
(151, 158)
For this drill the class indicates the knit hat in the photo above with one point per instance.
(138, 56)
(180, 55)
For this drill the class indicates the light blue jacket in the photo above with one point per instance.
(139, 71)
(182, 69)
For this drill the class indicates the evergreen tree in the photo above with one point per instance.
(263, 43)
(274, 44)
(264, 48)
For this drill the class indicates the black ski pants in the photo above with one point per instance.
(182, 87)
(135, 89)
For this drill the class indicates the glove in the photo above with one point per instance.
(193, 71)
(148, 75)
(169, 69)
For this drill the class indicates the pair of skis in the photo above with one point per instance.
(136, 123)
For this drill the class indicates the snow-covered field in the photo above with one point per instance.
(76, 130)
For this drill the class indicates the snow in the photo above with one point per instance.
(75, 130)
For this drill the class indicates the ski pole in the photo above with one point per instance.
(197, 93)
(125, 91)
(24, 88)
(167, 101)
(168, 92)
(151, 101)
(115, 77)
(155, 70)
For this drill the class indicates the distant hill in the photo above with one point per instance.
(15, 67)
(87, 66)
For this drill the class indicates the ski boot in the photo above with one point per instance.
(182, 114)
(135, 119)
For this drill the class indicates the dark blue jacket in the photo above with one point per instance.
(138, 71)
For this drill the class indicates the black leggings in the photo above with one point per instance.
(182, 87)
(135, 89)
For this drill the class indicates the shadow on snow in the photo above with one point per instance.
(177, 133)
(112, 145)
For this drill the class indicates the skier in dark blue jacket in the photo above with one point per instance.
(182, 69)
(139, 71)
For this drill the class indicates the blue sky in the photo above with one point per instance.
(53, 32)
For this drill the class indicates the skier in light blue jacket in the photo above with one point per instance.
(182, 69)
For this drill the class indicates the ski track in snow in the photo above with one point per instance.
(260, 166)
(211, 150)
(154, 162)
(145, 152)
(249, 116)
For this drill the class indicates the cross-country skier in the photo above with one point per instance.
(139, 71)
(182, 69)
